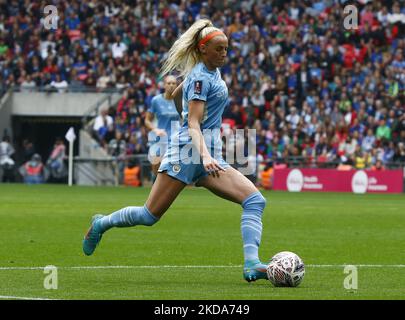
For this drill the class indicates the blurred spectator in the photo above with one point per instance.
(399, 155)
(27, 85)
(56, 161)
(135, 146)
(361, 158)
(368, 141)
(103, 127)
(293, 118)
(389, 152)
(379, 166)
(104, 80)
(117, 146)
(81, 68)
(132, 174)
(383, 131)
(59, 84)
(118, 48)
(6, 161)
(34, 171)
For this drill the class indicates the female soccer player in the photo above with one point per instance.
(164, 109)
(197, 54)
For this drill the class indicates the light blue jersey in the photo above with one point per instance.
(165, 112)
(208, 86)
(205, 85)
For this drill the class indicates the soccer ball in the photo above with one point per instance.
(285, 269)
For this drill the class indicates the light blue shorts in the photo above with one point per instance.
(189, 173)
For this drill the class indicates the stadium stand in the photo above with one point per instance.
(317, 94)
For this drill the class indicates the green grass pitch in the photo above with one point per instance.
(195, 251)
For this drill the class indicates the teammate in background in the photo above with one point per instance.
(163, 107)
(197, 54)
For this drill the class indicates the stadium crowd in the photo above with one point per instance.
(312, 89)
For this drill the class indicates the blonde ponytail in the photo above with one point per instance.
(184, 53)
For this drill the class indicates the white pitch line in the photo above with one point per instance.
(23, 298)
(202, 267)
(356, 265)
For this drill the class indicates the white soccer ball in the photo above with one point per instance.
(285, 269)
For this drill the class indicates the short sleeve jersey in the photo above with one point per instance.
(205, 85)
(165, 112)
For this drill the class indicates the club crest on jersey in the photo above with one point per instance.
(198, 87)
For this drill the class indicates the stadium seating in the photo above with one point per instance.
(338, 80)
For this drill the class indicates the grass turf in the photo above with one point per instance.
(44, 225)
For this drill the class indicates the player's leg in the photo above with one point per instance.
(156, 153)
(163, 193)
(155, 167)
(234, 186)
